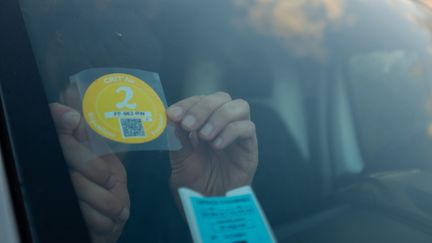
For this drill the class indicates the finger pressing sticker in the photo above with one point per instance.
(125, 106)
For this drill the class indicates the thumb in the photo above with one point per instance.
(66, 119)
(187, 146)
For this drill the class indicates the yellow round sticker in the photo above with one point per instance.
(125, 109)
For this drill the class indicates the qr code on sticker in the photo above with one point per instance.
(132, 128)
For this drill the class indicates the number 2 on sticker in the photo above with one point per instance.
(129, 94)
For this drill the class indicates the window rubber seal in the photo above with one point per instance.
(45, 203)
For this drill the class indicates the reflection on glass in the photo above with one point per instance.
(264, 51)
(300, 24)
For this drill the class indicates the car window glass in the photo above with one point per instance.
(330, 91)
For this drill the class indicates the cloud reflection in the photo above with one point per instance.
(419, 13)
(301, 24)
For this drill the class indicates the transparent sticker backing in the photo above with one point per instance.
(124, 110)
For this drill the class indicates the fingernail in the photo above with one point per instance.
(110, 182)
(189, 121)
(218, 142)
(124, 215)
(71, 119)
(207, 130)
(175, 112)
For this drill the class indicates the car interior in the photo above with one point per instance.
(314, 183)
(345, 147)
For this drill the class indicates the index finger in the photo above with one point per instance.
(65, 118)
(71, 97)
(68, 121)
(177, 111)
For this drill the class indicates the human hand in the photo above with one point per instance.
(220, 150)
(99, 181)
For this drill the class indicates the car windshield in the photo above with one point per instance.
(322, 106)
